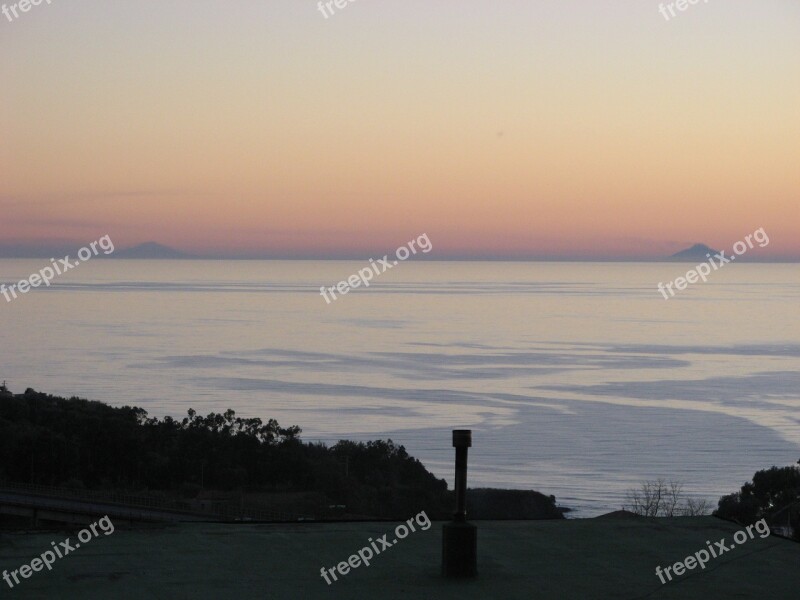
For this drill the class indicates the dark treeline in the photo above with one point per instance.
(77, 443)
(774, 495)
(55, 441)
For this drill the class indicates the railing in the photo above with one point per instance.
(221, 512)
(93, 496)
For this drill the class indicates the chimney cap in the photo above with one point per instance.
(462, 438)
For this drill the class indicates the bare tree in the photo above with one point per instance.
(696, 508)
(648, 499)
(660, 498)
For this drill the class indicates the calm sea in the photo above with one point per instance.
(578, 379)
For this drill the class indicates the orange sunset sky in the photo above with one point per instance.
(501, 129)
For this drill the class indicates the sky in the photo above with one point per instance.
(513, 129)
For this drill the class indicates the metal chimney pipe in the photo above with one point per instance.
(462, 441)
(459, 538)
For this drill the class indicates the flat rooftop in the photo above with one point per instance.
(582, 559)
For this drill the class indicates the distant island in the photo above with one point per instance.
(149, 251)
(698, 252)
(145, 251)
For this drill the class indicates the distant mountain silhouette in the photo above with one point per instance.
(149, 250)
(696, 252)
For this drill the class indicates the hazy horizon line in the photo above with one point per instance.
(32, 251)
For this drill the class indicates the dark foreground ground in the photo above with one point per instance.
(580, 559)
